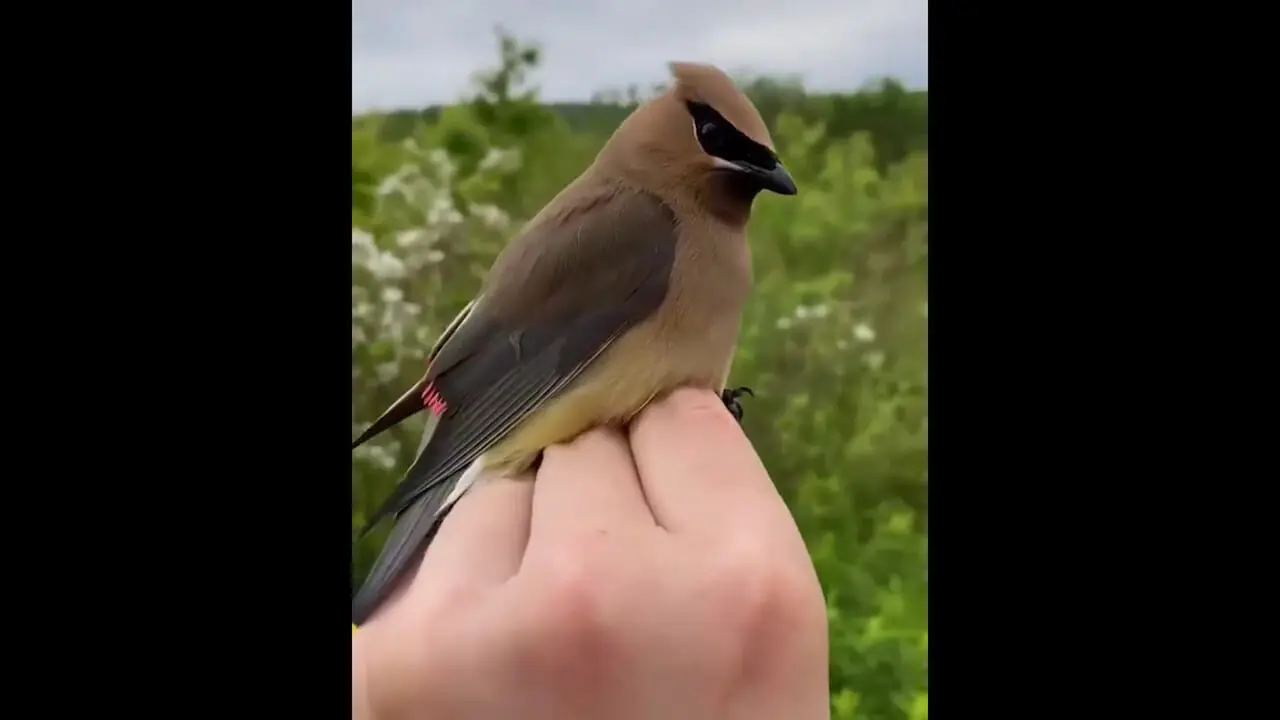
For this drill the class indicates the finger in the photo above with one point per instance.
(482, 539)
(697, 468)
(587, 486)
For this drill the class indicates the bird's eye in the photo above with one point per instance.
(707, 129)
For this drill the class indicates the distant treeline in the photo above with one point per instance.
(896, 118)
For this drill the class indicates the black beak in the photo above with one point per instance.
(777, 180)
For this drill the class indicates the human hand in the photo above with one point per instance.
(671, 586)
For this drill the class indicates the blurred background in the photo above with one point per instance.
(466, 120)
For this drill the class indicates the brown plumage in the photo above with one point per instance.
(628, 284)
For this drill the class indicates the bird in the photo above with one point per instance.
(628, 284)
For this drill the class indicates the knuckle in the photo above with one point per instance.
(568, 577)
(567, 614)
(764, 591)
(772, 612)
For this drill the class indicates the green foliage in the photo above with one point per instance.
(897, 119)
(834, 340)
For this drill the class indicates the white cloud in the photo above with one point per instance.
(410, 53)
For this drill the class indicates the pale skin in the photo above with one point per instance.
(652, 574)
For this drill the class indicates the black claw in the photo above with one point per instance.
(730, 397)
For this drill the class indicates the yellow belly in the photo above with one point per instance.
(645, 364)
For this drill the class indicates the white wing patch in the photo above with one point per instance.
(464, 484)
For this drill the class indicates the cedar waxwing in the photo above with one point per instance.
(628, 284)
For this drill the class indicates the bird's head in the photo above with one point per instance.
(701, 134)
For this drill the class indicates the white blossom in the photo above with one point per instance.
(379, 455)
(500, 160)
(444, 165)
(492, 216)
(386, 266)
(442, 211)
(419, 224)
(387, 371)
(410, 237)
(361, 240)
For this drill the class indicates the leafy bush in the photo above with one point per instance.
(834, 340)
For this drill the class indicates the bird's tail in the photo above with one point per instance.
(407, 406)
(414, 530)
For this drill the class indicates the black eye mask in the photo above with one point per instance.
(719, 138)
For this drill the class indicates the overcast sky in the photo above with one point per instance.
(413, 53)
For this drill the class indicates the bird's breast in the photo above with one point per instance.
(696, 329)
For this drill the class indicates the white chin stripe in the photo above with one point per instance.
(725, 164)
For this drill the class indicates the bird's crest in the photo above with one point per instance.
(702, 83)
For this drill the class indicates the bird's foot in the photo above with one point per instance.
(730, 397)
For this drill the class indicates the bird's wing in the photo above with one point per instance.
(556, 298)
(411, 403)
